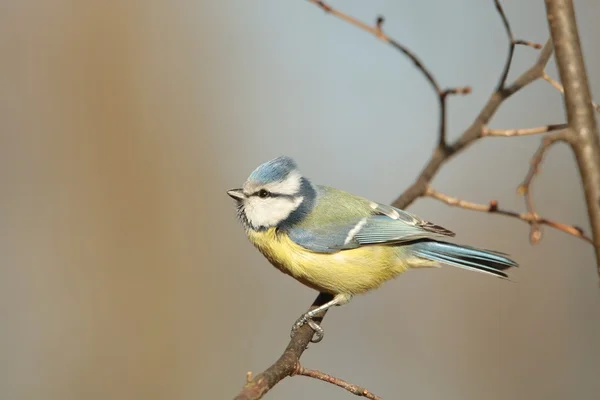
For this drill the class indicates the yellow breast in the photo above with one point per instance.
(349, 271)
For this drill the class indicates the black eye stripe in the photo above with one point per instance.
(271, 194)
(262, 193)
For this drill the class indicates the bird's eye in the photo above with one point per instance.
(262, 193)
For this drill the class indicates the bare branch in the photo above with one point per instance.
(580, 114)
(554, 83)
(527, 43)
(473, 132)
(559, 87)
(285, 366)
(354, 389)
(493, 208)
(378, 32)
(522, 132)
(525, 188)
(512, 43)
(511, 46)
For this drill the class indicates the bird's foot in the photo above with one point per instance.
(307, 319)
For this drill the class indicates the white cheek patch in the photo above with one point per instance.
(269, 211)
(289, 186)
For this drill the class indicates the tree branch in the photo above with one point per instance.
(512, 43)
(578, 101)
(286, 365)
(524, 188)
(559, 87)
(493, 208)
(378, 32)
(473, 132)
(354, 389)
(522, 132)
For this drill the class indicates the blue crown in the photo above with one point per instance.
(275, 170)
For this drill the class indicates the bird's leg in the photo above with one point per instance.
(338, 300)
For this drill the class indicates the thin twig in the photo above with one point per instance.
(473, 132)
(527, 43)
(352, 388)
(511, 46)
(512, 43)
(493, 208)
(377, 30)
(522, 132)
(524, 188)
(554, 83)
(559, 87)
(442, 141)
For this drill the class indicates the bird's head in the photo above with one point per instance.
(274, 195)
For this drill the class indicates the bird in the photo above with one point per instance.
(339, 243)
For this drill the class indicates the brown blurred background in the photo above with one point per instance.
(124, 273)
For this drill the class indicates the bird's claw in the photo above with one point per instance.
(301, 321)
(319, 332)
(305, 319)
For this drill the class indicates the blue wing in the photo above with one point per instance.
(380, 224)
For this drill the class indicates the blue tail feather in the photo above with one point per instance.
(487, 261)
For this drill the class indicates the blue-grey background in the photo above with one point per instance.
(124, 273)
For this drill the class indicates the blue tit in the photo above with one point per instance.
(339, 243)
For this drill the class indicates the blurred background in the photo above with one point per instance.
(124, 273)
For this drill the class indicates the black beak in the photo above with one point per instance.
(236, 194)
